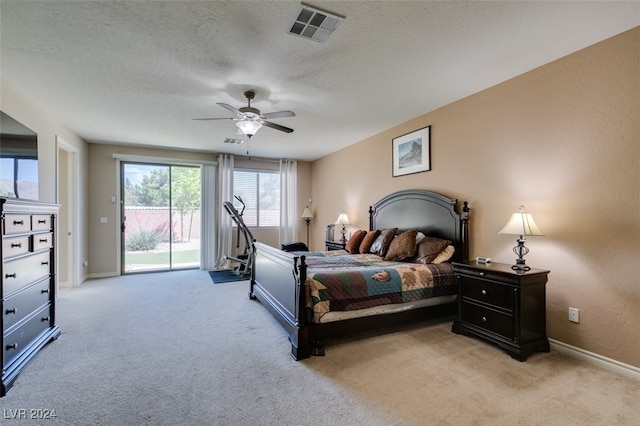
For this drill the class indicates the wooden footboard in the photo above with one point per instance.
(278, 283)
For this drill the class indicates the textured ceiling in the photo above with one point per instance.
(137, 72)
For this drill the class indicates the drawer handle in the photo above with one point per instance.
(45, 319)
(482, 274)
(11, 311)
(44, 240)
(484, 292)
(10, 275)
(45, 262)
(46, 290)
(14, 346)
(484, 319)
(42, 221)
(16, 245)
(18, 222)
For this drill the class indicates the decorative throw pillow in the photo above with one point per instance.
(429, 248)
(444, 255)
(402, 246)
(353, 244)
(365, 245)
(382, 241)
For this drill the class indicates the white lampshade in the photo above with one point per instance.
(343, 219)
(521, 223)
(249, 127)
(306, 214)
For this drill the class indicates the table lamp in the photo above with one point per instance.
(522, 224)
(343, 220)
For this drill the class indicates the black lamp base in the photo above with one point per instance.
(521, 251)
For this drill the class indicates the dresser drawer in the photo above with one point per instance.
(40, 222)
(15, 246)
(23, 303)
(16, 223)
(19, 339)
(18, 273)
(487, 292)
(42, 241)
(488, 319)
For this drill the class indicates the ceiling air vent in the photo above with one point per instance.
(314, 24)
(234, 141)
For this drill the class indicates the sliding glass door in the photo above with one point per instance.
(160, 217)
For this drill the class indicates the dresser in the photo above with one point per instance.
(28, 283)
(502, 306)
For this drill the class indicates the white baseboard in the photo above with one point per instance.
(101, 275)
(599, 360)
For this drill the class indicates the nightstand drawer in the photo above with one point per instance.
(487, 292)
(40, 222)
(488, 319)
(42, 241)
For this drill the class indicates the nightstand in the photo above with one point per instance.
(334, 245)
(502, 306)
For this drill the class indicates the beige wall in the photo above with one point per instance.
(23, 109)
(104, 239)
(564, 140)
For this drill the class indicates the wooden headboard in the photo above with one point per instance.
(431, 213)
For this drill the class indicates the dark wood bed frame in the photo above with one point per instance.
(278, 277)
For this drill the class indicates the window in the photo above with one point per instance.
(260, 192)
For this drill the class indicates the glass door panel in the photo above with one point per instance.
(161, 217)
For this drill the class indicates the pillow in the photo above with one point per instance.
(429, 248)
(353, 244)
(365, 245)
(444, 255)
(402, 246)
(381, 243)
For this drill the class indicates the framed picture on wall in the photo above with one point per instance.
(411, 152)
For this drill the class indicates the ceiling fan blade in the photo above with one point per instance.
(221, 118)
(229, 107)
(276, 126)
(279, 114)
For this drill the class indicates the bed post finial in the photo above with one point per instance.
(371, 211)
(465, 231)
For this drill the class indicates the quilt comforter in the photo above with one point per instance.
(337, 281)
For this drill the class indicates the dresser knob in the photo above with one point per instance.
(16, 245)
(484, 292)
(45, 263)
(12, 311)
(482, 274)
(14, 346)
(10, 275)
(484, 319)
(18, 222)
(42, 221)
(45, 319)
(43, 240)
(46, 290)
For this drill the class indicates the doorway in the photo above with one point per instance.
(161, 217)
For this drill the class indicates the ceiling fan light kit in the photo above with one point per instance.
(249, 120)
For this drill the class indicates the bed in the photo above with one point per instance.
(286, 283)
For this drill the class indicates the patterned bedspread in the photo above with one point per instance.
(337, 281)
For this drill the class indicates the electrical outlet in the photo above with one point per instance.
(574, 315)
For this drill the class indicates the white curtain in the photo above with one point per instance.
(224, 223)
(208, 246)
(288, 201)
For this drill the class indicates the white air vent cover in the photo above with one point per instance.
(234, 141)
(314, 24)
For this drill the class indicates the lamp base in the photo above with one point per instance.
(521, 251)
(520, 266)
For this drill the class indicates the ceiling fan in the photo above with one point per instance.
(250, 120)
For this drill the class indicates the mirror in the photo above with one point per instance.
(18, 159)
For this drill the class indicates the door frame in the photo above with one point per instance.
(73, 210)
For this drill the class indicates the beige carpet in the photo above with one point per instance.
(174, 349)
